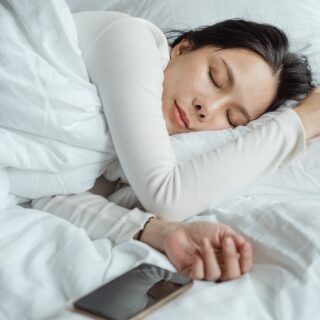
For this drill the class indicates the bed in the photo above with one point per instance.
(46, 262)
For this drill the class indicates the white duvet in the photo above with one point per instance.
(45, 262)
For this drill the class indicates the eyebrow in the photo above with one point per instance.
(231, 82)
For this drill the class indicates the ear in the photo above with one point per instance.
(182, 47)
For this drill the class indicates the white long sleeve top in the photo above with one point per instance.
(125, 58)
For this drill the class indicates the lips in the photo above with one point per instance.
(180, 116)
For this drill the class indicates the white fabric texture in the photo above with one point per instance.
(53, 140)
(98, 216)
(45, 261)
(56, 262)
(51, 122)
(4, 188)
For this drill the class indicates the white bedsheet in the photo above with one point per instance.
(45, 262)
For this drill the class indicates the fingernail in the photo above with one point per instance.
(246, 246)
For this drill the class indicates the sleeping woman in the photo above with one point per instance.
(213, 78)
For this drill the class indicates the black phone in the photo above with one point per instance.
(134, 294)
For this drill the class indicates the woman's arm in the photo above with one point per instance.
(183, 243)
(95, 214)
(126, 65)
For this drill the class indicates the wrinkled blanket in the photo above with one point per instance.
(51, 122)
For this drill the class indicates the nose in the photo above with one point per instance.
(201, 112)
(206, 109)
(204, 112)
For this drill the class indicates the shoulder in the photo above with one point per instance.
(121, 27)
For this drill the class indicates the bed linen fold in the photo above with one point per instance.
(46, 262)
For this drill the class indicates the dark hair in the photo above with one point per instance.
(292, 71)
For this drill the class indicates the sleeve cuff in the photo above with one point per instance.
(136, 221)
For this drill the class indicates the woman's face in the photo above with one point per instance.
(205, 87)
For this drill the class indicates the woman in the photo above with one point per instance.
(147, 92)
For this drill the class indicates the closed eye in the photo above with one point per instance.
(229, 121)
(212, 79)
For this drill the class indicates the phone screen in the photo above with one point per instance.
(142, 288)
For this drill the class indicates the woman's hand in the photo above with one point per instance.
(309, 112)
(201, 250)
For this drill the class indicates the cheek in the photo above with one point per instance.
(186, 81)
(170, 80)
(189, 86)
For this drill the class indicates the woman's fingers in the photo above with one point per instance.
(233, 264)
(211, 265)
(231, 260)
(229, 232)
(205, 265)
(197, 270)
(246, 258)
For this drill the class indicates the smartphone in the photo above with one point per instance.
(134, 294)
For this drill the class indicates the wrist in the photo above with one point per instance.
(156, 231)
(138, 235)
(308, 122)
(309, 112)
